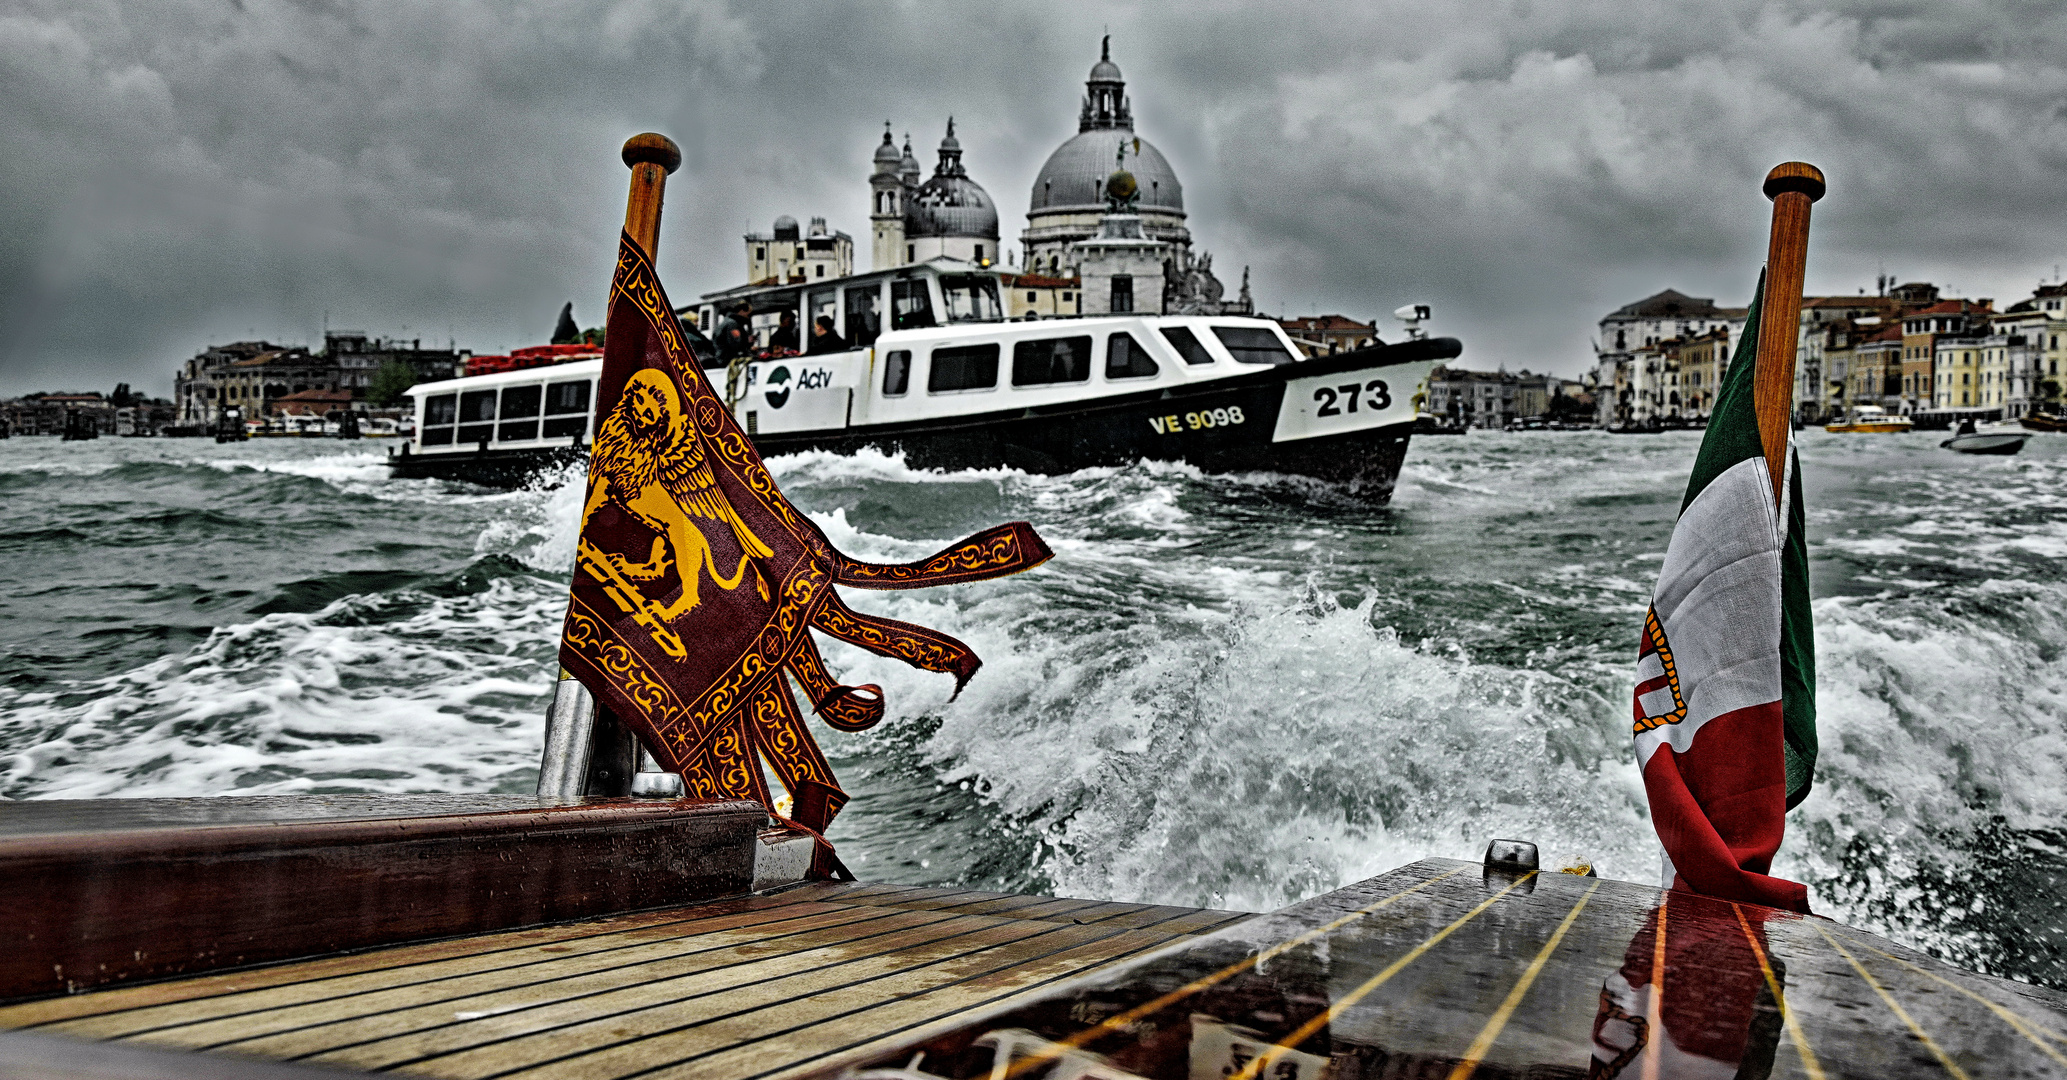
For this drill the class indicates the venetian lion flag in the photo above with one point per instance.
(1726, 669)
(697, 584)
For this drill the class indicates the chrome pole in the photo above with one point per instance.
(570, 722)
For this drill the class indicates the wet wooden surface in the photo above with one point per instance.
(98, 893)
(1442, 970)
(754, 986)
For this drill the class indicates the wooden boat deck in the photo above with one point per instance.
(761, 986)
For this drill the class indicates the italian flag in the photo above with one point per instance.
(1726, 669)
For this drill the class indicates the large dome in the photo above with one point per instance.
(1074, 177)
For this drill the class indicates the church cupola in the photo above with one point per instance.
(950, 154)
(887, 157)
(1105, 97)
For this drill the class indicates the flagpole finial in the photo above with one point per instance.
(652, 147)
(650, 156)
(1795, 176)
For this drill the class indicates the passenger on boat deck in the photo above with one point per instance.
(823, 339)
(736, 332)
(785, 336)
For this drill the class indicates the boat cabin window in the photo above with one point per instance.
(896, 372)
(818, 302)
(1051, 360)
(520, 412)
(911, 305)
(476, 415)
(971, 298)
(566, 409)
(1187, 346)
(1253, 345)
(864, 315)
(1126, 359)
(963, 367)
(439, 413)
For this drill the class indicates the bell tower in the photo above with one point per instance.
(886, 210)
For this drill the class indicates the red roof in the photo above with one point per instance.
(532, 356)
(1037, 281)
(1324, 323)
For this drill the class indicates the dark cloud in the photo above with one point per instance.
(174, 174)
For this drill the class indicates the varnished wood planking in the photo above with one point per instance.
(579, 994)
(687, 1037)
(270, 1012)
(833, 1035)
(639, 1012)
(141, 1009)
(823, 965)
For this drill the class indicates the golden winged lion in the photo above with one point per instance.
(647, 461)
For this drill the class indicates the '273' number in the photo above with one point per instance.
(1334, 399)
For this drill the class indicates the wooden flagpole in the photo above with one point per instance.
(652, 157)
(588, 752)
(1792, 186)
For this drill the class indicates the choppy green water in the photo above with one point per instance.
(1235, 691)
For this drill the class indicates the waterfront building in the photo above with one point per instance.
(1955, 369)
(1038, 296)
(1876, 367)
(1834, 356)
(1702, 361)
(1922, 326)
(1651, 379)
(251, 375)
(196, 394)
(1813, 374)
(1321, 335)
(1481, 399)
(789, 254)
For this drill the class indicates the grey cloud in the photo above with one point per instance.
(179, 173)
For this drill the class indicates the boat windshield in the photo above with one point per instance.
(971, 298)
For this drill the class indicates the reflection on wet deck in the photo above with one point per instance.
(1442, 970)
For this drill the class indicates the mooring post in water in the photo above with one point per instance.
(1792, 186)
(588, 751)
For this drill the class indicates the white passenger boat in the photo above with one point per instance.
(951, 384)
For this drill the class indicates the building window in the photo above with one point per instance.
(760, 253)
(979, 253)
(911, 253)
(1122, 292)
(1067, 297)
(1030, 296)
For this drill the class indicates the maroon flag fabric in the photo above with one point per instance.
(697, 584)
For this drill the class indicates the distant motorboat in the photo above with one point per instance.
(2001, 439)
(1869, 419)
(2043, 421)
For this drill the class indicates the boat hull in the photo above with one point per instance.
(1866, 429)
(2003, 443)
(1278, 420)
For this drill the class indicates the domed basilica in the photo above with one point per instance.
(1071, 221)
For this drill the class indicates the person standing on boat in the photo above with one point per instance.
(823, 337)
(785, 336)
(736, 332)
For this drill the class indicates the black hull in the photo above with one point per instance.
(1064, 438)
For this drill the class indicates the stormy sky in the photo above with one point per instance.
(179, 173)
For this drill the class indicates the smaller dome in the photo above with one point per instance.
(786, 228)
(909, 163)
(950, 143)
(887, 154)
(1105, 70)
